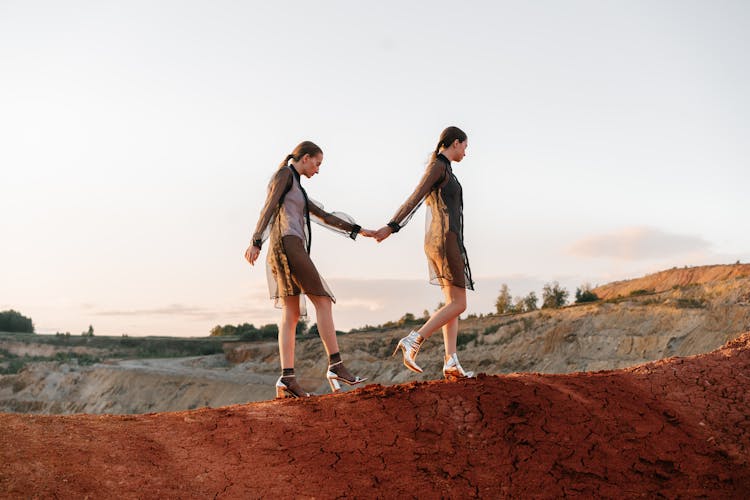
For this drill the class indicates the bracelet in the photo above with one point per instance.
(258, 243)
(355, 231)
(394, 226)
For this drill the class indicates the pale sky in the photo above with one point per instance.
(607, 140)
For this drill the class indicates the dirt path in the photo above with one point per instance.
(677, 427)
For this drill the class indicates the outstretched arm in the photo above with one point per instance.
(335, 221)
(434, 173)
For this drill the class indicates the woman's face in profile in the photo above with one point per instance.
(311, 165)
(461, 150)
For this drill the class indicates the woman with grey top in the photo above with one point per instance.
(444, 246)
(285, 221)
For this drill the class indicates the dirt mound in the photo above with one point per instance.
(676, 427)
(665, 280)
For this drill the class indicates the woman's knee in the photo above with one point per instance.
(460, 306)
(290, 317)
(290, 312)
(321, 302)
(458, 300)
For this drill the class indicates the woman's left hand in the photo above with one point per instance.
(251, 254)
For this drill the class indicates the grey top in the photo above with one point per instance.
(288, 206)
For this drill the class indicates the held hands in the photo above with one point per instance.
(379, 235)
(251, 254)
(382, 233)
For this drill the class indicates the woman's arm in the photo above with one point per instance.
(434, 173)
(335, 221)
(278, 186)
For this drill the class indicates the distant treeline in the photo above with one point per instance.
(15, 322)
(407, 319)
(248, 331)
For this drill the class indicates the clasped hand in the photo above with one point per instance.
(379, 235)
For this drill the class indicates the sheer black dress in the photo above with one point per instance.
(444, 236)
(285, 220)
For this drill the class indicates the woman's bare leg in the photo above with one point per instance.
(287, 330)
(455, 304)
(450, 329)
(326, 330)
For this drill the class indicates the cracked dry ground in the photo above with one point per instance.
(677, 428)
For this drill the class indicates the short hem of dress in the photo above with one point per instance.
(436, 281)
(276, 299)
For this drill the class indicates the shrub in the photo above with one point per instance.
(407, 320)
(464, 338)
(491, 329)
(504, 302)
(585, 294)
(15, 365)
(690, 303)
(530, 302)
(554, 296)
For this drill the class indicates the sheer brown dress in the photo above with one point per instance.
(285, 221)
(444, 232)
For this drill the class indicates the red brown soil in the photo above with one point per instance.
(665, 280)
(674, 428)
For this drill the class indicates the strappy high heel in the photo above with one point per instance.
(452, 369)
(291, 390)
(409, 346)
(333, 378)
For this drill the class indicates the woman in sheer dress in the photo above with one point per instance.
(444, 246)
(285, 221)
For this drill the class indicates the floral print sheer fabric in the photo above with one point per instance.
(285, 222)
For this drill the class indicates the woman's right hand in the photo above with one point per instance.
(251, 254)
(383, 233)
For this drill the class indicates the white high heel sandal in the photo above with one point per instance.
(333, 379)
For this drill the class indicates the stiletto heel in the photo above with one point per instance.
(280, 390)
(284, 390)
(409, 346)
(452, 369)
(333, 382)
(334, 378)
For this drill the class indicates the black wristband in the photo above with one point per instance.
(258, 243)
(394, 227)
(355, 231)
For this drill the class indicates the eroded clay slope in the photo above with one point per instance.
(676, 427)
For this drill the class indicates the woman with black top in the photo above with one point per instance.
(444, 246)
(285, 220)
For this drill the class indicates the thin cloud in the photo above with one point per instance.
(176, 310)
(171, 309)
(638, 243)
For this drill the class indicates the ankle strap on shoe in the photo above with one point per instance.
(337, 363)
